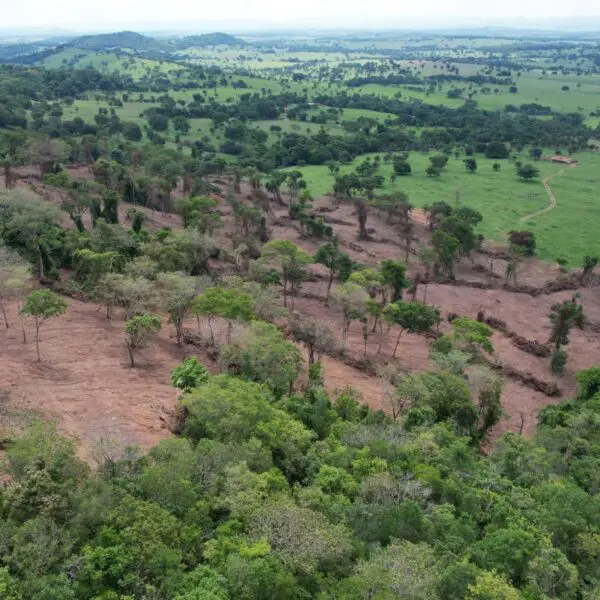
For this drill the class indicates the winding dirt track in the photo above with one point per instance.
(551, 197)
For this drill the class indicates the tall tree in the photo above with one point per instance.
(43, 305)
(139, 332)
(411, 317)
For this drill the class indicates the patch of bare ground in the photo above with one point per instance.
(84, 380)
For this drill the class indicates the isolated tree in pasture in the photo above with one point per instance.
(496, 167)
(177, 293)
(438, 161)
(139, 332)
(402, 167)
(522, 242)
(14, 277)
(470, 165)
(339, 263)
(410, 317)
(352, 300)
(293, 262)
(536, 153)
(43, 305)
(527, 172)
(316, 335)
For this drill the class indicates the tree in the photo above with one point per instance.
(293, 262)
(133, 294)
(535, 153)
(200, 212)
(393, 274)
(470, 165)
(402, 167)
(47, 153)
(496, 167)
(411, 317)
(43, 305)
(274, 184)
(527, 172)
(352, 299)
(438, 161)
(262, 354)
(436, 213)
(490, 586)
(228, 303)
(562, 317)
(589, 264)
(446, 247)
(339, 263)
(189, 375)
(472, 336)
(177, 293)
(139, 331)
(432, 171)
(315, 334)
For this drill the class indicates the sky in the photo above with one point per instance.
(244, 14)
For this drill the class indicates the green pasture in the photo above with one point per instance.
(569, 231)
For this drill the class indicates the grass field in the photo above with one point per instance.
(503, 199)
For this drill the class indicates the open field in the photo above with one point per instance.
(502, 199)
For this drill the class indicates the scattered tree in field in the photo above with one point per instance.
(446, 247)
(433, 171)
(43, 305)
(470, 164)
(47, 154)
(135, 295)
(562, 317)
(536, 153)
(177, 293)
(293, 262)
(438, 161)
(352, 300)
(189, 375)
(527, 172)
(228, 303)
(339, 263)
(393, 274)
(402, 167)
(411, 317)
(139, 332)
(315, 334)
(496, 167)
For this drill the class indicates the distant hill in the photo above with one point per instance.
(207, 39)
(122, 39)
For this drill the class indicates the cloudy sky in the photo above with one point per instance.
(322, 13)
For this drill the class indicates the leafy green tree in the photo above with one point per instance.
(527, 172)
(411, 317)
(228, 303)
(262, 354)
(293, 262)
(491, 586)
(189, 375)
(339, 263)
(562, 317)
(402, 167)
(470, 164)
(43, 305)
(177, 293)
(352, 300)
(558, 361)
(472, 336)
(446, 247)
(402, 570)
(139, 332)
(438, 161)
(393, 274)
(200, 212)
(551, 575)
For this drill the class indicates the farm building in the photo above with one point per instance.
(565, 160)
